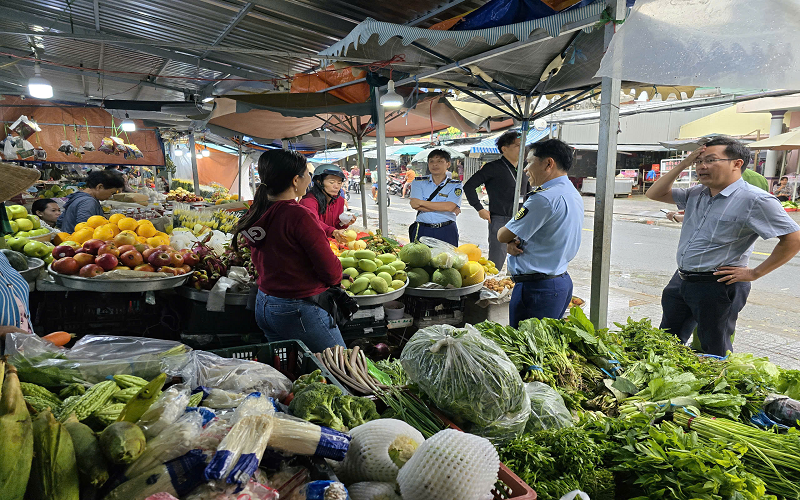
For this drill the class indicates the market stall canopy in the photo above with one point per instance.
(782, 142)
(692, 43)
(513, 57)
(395, 151)
(219, 167)
(333, 156)
(423, 155)
(78, 124)
(488, 145)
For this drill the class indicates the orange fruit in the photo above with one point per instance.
(83, 235)
(128, 224)
(114, 219)
(61, 238)
(96, 221)
(105, 232)
(80, 226)
(141, 239)
(146, 230)
(144, 221)
(472, 251)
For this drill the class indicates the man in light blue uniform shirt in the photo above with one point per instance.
(437, 200)
(544, 236)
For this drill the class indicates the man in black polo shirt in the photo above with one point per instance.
(500, 179)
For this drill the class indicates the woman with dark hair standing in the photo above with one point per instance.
(291, 254)
(326, 202)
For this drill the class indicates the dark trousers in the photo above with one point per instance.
(540, 299)
(448, 233)
(497, 250)
(712, 307)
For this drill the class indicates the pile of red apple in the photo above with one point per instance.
(96, 257)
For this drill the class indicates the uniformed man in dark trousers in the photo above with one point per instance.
(437, 200)
(544, 236)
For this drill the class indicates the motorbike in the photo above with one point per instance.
(394, 186)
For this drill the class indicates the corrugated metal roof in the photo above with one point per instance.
(304, 26)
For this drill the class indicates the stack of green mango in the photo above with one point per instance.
(372, 274)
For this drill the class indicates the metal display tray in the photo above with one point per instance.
(444, 293)
(376, 300)
(231, 299)
(118, 286)
(34, 266)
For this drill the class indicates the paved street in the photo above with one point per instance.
(643, 259)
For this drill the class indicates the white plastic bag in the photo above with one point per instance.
(235, 375)
(165, 411)
(548, 410)
(176, 439)
(444, 255)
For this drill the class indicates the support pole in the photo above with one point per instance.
(195, 175)
(362, 175)
(526, 122)
(775, 129)
(604, 196)
(169, 171)
(285, 144)
(239, 177)
(380, 137)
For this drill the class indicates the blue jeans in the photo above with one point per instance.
(540, 299)
(296, 319)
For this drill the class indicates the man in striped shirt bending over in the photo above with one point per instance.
(724, 217)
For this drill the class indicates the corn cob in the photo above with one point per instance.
(54, 472)
(108, 414)
(40, 392)
(126, 381)
(16, 431)
(125, 395)
(91, 464)
(195, 399)
(85, 405)
(75, 389)
(41, 404)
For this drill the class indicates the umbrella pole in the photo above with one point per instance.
(521, 161)
(380, 136)
(239, 177)
(195, 175)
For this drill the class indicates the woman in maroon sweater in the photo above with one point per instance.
(291, 254)
(325, 201)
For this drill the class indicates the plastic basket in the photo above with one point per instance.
(290, 357)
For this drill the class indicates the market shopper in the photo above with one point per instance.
(325, 199)
(724, 216)
(500, 178)
(14, 289)
(47, 210)
(437, 200)
(291, 254)
(100, 186)
(544, 236)
(783, 191)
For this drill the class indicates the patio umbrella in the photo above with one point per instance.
(782, 142)
(423, 155)
(407, 150)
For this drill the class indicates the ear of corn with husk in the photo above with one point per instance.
(54, 470)
(91, 464)
(16, 432)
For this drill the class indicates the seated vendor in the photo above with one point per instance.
(48, 212)
(14, 290)
(100, 186)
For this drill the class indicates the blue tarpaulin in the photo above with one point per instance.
(488, 146)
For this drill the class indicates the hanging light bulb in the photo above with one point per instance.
(38, 87)
(178, 152)
(127, 124)
(206, 153)
(391, 99)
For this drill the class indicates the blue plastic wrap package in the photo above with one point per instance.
(504, 12)
(298, 437)
(208, 415)
(322, 490)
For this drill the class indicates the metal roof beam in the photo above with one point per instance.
(434, 12)
(246, 8)
(152, 79)
(165, 54)
(320, 18)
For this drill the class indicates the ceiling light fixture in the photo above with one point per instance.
(208, 99)
(206, 153)
(391, 99)
(38, 87)
(178, 152)
(127, 124)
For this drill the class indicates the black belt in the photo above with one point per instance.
(522, 278)
(436, 226)
(698, 276)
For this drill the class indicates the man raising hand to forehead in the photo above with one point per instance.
(724, 217)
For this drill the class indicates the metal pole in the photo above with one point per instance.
(380, 136)
(362, 176)
(195, 175)
(239, 177)
(604, 196)
(169, 171)
(285, 144)
(521, 161)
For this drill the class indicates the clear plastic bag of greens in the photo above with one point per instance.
(470, 379)
(548, 410)
(93, 358)
(235, 375)
(444, 255)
